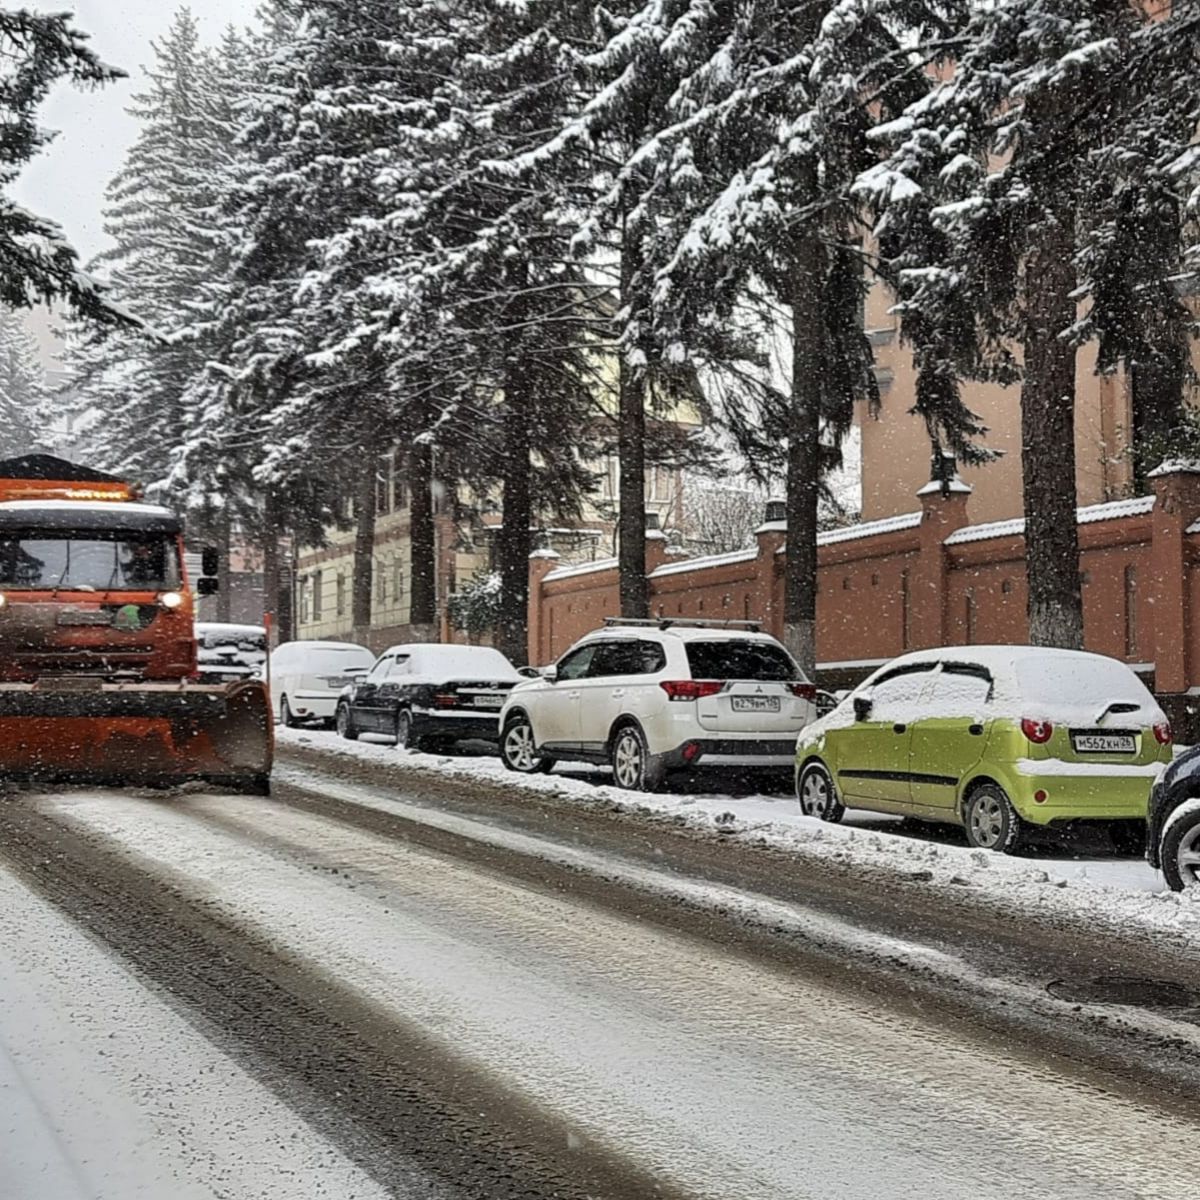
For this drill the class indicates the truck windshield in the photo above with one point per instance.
(92, 561)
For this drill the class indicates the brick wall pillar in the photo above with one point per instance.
(771, 535)
(1178, 505)
(943, 510)
(541, 563)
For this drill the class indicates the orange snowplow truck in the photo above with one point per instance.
(98, 677)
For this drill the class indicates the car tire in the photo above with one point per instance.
(1179, 852)
(404, 733)
(518, 750)
(991, 822)
(817, 795)
(286, 717)
(1128, 837)
(630, 758)
(343, 722)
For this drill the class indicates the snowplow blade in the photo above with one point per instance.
(87, 730)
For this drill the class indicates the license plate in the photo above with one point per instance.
(755, 703)
(492, 700)
(1104, 743)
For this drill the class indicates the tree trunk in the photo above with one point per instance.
(514, 544)
(1048, 436)
(362, 583)
(272, 530)
(803, 461)
(422, 613)
(224, 566)
(631, 455)
(1157, 395)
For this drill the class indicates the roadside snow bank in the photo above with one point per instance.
(1104, 890)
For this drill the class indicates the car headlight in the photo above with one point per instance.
(170, 599)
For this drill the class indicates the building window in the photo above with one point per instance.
(341, 594)
(400, 480)
(971, 616)
(316, 596)
(380, 583)
(1131, 638)
(397, 580)
(305, 611)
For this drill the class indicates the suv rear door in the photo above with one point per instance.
(760, 683)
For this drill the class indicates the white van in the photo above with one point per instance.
(307, 678)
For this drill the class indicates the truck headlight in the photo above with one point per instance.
(170, 599)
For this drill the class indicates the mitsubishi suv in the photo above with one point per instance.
(658, 696)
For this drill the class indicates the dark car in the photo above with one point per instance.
(1173, 841)
(428, 696)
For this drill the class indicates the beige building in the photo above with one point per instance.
(895, 448)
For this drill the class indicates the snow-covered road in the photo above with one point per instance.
(350, 991)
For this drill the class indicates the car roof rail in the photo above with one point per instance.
(690, 622)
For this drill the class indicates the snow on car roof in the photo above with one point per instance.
(315, 645)
(686, 633)
(450, 657)
(223, 627)
(998, 656)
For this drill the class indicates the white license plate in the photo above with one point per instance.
(754, 703)
(1104, 743)
(493, 700)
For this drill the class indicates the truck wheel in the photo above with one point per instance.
(991, 821)
(1179, 852)
(344, 723)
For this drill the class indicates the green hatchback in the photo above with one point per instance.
(993, 738)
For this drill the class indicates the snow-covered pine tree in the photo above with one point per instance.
(1004, 182)
(765, 129)
(36, 263)
(132, 382)
(24, 389)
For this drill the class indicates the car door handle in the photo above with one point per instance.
(617, 693)
(898, 728)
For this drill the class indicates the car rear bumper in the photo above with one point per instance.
(315, 705)
(762, 753)
(461, 726)
(1069, 795)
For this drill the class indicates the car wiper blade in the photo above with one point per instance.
(1118, 706)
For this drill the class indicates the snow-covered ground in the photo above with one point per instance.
(107, 1093)
(1088, 877)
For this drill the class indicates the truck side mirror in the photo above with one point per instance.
(210, 561)
(207, 585)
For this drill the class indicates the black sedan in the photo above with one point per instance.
(428, 696)
(1174, 835)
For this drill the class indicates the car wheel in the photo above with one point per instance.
(631, 766)
(817, 795)
(343, 722)
(404, 737)
(991, 821)
(286, 719)
(1179, 852)
(1128, 837)
(518, 750)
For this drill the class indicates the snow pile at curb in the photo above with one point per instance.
(1109, 892)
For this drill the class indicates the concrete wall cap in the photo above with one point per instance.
(771, 527)
(955, 487)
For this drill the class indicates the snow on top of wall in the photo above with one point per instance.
(1109, 511)
(600, 564)
(709, 560)
(869, 529)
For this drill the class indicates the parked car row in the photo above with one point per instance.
(999, 740)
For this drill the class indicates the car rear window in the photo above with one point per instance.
(1071, 684)
(336, 660)
(740, 660)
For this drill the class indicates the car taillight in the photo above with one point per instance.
(1038, 732)
(690, 689)
(806, 691)
(1162, 733)
(445, 700)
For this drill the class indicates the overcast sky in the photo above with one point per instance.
(66, 182)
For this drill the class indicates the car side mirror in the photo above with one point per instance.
(862, 707)
(529, 672)
(550, 673)
(207, 585)
(210, 561)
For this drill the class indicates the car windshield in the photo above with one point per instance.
(471, 662)
(733, 659)
(89, 561)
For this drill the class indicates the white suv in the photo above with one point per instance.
(651, 697)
